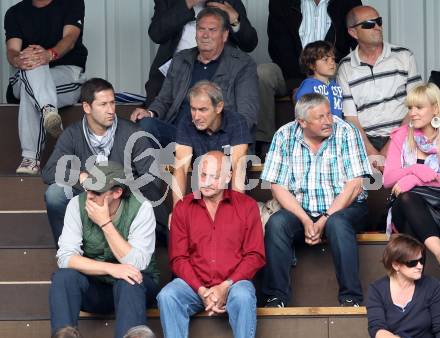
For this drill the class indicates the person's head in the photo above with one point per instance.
(212, 31)
(67, 332)
(404, 255)
(214, 174)
(312, 111)
(318, 59)
(98, 101)
(106, 180)
(206, 103)
(140, 331)
(365, 25)
(423, 104)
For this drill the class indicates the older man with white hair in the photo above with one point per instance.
(316, 166)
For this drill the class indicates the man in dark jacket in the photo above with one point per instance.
(174, 20)
(291, 26)
(213, 59)
(100, 137)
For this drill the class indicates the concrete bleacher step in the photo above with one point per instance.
(24, 193)
(28, 230)
(9, 131)
(313, 279)
(274, 323)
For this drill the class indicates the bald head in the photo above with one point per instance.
(356, 14)
(218, 159)
(370, 35)
(214, 174)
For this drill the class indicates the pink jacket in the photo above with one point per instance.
(408, 177)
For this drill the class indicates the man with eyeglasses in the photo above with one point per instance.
(105, 254)
(375, 78)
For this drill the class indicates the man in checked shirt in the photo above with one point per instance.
(316, 166)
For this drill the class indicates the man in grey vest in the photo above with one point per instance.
(105, 254)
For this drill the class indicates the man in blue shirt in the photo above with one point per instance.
(209, 128)
(316, 166)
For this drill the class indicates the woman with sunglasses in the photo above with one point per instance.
(412, 169)
(405, 303)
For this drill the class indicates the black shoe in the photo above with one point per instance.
(274, 302)
(349, 303)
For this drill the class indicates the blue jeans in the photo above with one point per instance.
(56, 204)
(163, 131)
(177, 302)
(72, 291)
(284, 229)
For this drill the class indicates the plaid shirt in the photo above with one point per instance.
(316, 179)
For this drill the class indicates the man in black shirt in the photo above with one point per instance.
(44, 46)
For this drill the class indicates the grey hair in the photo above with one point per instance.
(218, 13)
(307, 102)
(140, 331)
(209, 88)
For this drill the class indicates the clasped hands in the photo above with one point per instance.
(214, 298)
(313, 230)
(32, 57)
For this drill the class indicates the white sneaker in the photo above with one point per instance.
(28, 166)
(52, 121)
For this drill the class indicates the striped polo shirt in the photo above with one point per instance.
(376, 94)
(316, 179)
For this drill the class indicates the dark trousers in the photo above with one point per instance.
(56, 203)
(164, 132)
(72, 291)
(411, 215)
(284, 229)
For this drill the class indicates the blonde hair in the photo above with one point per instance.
(418, 96)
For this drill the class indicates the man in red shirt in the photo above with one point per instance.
(216, 247)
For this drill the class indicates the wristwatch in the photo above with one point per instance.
(325, 214)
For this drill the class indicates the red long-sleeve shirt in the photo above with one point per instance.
(204, 252)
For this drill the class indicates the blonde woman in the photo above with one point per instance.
(412, 168)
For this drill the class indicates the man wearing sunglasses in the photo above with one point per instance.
(375, 78)
(105, 254)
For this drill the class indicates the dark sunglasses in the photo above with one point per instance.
(413, 263)
(369, 24)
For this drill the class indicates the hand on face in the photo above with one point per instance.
(97, 213)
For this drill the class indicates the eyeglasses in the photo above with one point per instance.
(413, 263)
(369, 24)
